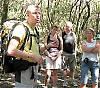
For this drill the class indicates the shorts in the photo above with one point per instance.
(91, 66)
(25, 76)
(53, 65)
(68, 60)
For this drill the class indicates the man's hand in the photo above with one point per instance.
(40, 60)
(37, 58)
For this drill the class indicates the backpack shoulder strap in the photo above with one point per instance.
(35, 35)
(48, 38)
(59, 42)
(26, 37)
(38, 36)
(37, 32)
(58, 38)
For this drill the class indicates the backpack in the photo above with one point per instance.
(48, 38)
(10, 63)
(68, 42)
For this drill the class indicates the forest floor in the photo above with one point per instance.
(7, 80)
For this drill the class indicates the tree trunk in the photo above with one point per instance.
(4, 11)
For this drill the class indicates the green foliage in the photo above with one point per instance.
(0, 9)
(16, 10)
(83, 14)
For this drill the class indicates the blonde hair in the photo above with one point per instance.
(90, 29)
(31, 7)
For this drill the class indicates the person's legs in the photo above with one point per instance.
(94, 74)
(94, 85)
(82, 85)
(72, 77)
(55, 77)
(64, 65)
(84, 75)
(49, 65)
(72, 64)
(65, 74)
(72, 73)
(65, 83)
(47, 77)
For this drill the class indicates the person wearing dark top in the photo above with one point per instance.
(53, 57)
(69, 53)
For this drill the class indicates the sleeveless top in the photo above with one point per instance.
(53, 50)
(90, 56)
(68, 42)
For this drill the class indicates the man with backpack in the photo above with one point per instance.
(28, 77)
(69, 53)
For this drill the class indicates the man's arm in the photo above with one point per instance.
(75, 42)
(46, 46)
(14, 43)
(13, 51)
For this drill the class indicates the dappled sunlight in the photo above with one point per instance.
(7, 80)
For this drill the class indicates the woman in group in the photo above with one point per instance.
(53, 57)
(90, 49)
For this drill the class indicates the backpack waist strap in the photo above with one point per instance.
(33, 63)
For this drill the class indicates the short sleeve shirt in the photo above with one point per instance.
(20, 32)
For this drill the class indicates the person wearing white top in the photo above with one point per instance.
(90, 49)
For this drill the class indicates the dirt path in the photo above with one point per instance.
(7, 81)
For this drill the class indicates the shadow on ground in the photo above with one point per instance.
(7, 80)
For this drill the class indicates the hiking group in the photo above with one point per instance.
(60, 51)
